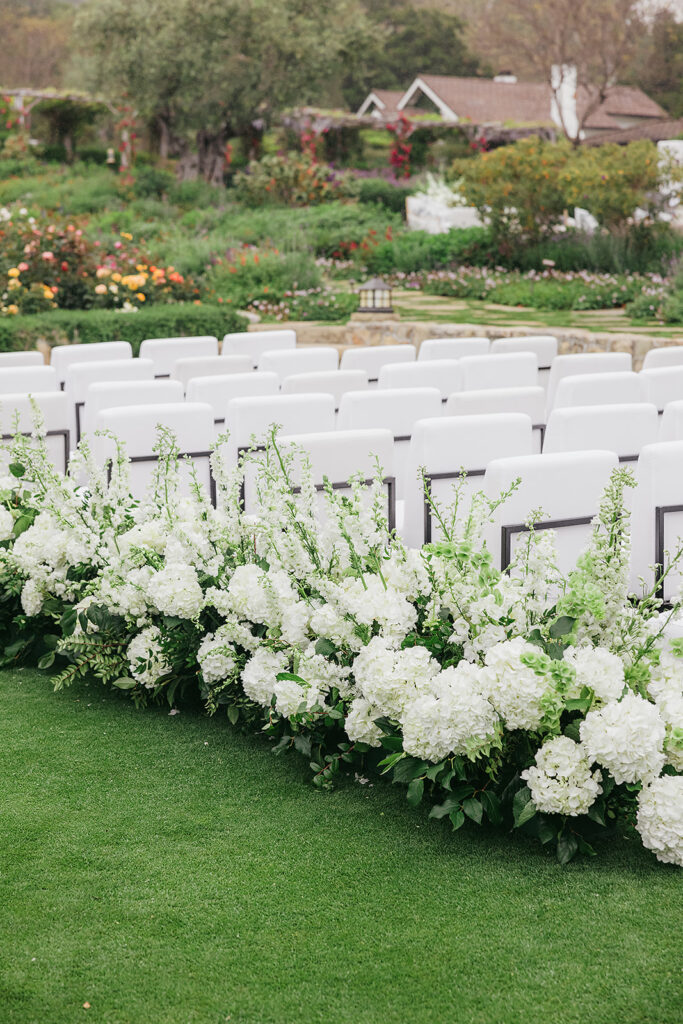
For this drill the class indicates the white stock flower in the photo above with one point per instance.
(31, 598)
(660, 818)
(626, 738)
(513, 688)
(360, 722)
(599, 669)
(259, 675)
(216, 655)
(452, 717)
(145, 657)
(388, 678)
(6, 523)
(561, 782)
(175, 590)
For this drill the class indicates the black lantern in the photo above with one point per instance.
(375, 297)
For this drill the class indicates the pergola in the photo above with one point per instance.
(24, 100)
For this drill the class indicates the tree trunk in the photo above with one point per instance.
(211, 153)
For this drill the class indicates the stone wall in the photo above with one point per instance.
(360, 331)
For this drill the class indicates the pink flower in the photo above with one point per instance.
(47, 256)
(23, 267)
(118, 245)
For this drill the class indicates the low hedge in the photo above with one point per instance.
(86, 326)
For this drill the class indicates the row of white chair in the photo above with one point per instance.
(491, 450)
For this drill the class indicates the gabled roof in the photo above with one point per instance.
(486, 101)
(386, 100)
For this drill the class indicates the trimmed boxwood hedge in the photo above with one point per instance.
(84, 326)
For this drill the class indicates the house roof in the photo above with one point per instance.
(485, 101)
(655, 131)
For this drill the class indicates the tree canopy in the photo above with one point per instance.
(205, 70)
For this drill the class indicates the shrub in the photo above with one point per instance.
(252, 275)
(383, 193)
(152, 182)
(294, 179)
(416, 250)
(91, 326)
(523, 190)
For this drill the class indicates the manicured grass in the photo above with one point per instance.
(167, 870)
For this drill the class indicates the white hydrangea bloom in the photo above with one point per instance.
(514, 689)
(175, 590)
(6, 523)
(453, 717)
(368, 601)
(248, 597)
(151, 534)
(216, 656)
(599, 669)
(561, 782)
(291, 697)
(329, 622)
(145, 657)
(627, 738)
(660, 818)
(360, 722)
(388, 678)
(259, 675)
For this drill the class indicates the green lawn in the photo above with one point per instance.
(167, 870)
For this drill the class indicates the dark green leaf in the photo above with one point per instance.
(523, 807)
(595, 814)
(291, 677)
(578, 704)
(473, 809)
(447, 807)
(561, 627)
(303, 744)
(47, 660)
(567, 845)
(325, 647)
(491, 805)
(392, 742)
(16, 469)
(22, 524)
(233, 714)
(408, 769)
(415, 792)
(388, 763)
(457, 820)
(124, 683)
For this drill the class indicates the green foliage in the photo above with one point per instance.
(377, 190)
(63, 326)
(523, 190)
(253, 276)
(416, 250)
(152, 182)
(406, 41)
(293, 180)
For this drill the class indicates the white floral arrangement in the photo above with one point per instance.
(517, 699)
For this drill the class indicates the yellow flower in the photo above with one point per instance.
(13, 272)
(13, 309)
(47, 293)
(116, 277)
(14, 283)
(100, 289)
(140, 297)
(125, 234)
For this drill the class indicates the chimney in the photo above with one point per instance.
(563, 102)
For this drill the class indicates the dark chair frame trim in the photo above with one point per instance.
(509, 529)
(661, 512)
(181, 455)
(65, 433)
(427, 480)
